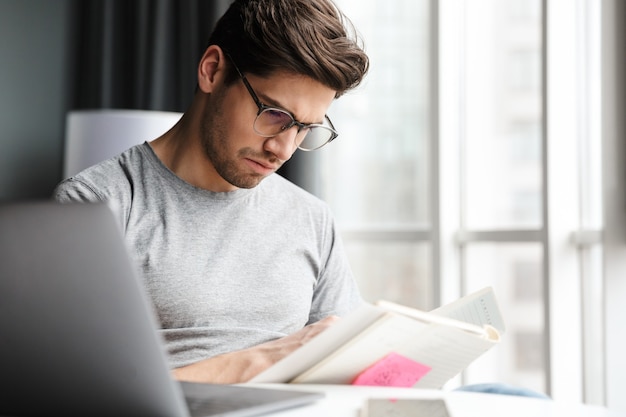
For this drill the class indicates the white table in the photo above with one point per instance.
(347, 401)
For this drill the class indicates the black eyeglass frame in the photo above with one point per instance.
(294, 122)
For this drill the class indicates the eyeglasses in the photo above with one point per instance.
(271, 121)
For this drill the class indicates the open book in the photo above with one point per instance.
(390, 344)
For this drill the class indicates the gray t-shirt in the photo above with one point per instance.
(225, 271)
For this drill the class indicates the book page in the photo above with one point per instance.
(434, 318)
(381, 338)
(446, 340)
(321, 346)
(478, 308)
(446, 350)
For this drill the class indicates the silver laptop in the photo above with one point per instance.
(78, 333)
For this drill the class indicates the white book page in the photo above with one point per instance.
(450, 351)
(446, 350)
(443, 337)
(387, 335)
(480, 308)
(321, 346)
(433, 318)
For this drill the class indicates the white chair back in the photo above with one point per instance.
(95, 135)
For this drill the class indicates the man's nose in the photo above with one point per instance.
(284, 144)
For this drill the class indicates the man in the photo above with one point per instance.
(243, 267)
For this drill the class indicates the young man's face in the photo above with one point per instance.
(241, 156)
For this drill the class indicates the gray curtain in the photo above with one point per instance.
(138, 54)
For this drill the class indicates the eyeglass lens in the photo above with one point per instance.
(272, 121)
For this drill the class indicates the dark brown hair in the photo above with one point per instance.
(308, 37)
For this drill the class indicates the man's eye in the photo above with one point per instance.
(278, 117)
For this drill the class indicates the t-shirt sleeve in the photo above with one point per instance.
(336, 292)
(73, 190)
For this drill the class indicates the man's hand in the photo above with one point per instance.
(242, 365)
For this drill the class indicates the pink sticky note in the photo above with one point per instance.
(393, 370)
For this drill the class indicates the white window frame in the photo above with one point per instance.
(613, 163)
(583, 305)
(573, 300)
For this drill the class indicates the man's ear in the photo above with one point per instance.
(211, 68)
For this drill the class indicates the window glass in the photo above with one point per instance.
(514, 270)
(503, 114)
(376, 172)
(394, 271)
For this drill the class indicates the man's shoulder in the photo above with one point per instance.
(105, 180)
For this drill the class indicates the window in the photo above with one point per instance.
(470, 158)
(378, 173)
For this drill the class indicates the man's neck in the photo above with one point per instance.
(181, 151)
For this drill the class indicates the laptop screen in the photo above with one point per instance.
(78, 335)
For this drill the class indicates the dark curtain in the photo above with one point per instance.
(138, 54)
(143, 54)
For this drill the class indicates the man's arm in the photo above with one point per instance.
(241, 366)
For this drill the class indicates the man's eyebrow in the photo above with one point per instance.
(268, 101)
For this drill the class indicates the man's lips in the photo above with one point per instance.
(264, 168)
